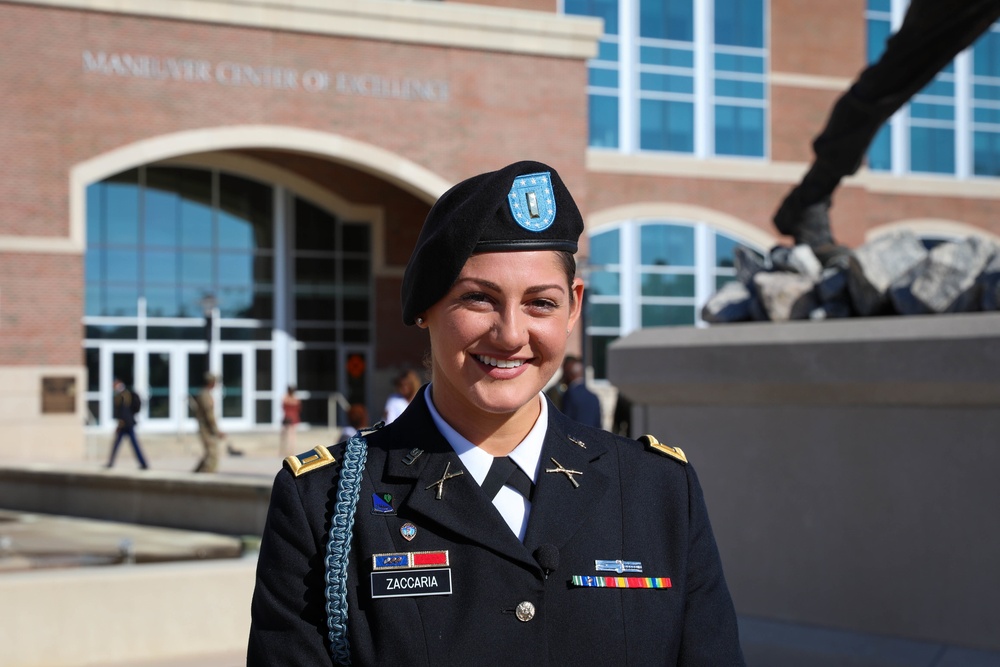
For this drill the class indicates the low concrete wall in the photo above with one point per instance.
(26, 432)
(124, 614)
(849, 466)
(152, 498)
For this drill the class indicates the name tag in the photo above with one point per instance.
(411, 583)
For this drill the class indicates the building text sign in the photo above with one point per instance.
(243, 75)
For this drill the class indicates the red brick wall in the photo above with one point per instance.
(500, 108)
(818, 38)
(41, 303)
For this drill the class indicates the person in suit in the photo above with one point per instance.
(579, 403)
(483, 526)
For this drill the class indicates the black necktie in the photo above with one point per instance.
(505, 472)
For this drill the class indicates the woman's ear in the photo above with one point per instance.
(421, 322)
(576, 306)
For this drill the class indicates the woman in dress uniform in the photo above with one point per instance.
(483, 526)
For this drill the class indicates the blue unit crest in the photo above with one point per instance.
(532, 201)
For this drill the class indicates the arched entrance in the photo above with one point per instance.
(258, 264)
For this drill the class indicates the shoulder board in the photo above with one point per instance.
(316, 457)
(655, 445)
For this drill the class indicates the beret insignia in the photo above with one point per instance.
(532, 202)
(315, 458)
(655, 445)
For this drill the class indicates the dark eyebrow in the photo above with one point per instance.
(534, 289)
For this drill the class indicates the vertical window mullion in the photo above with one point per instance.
(704, 268)
(704, 115)
(629, 259)
(628, 77)
(963, 115)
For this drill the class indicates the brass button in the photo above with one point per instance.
(525, 611)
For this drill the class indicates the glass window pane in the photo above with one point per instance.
(604, 248)
(246, 212)
(232, 385)
(668, 284)
(264, 372)
(236, 269)
(666, 83)
(986, 153)
(163, 302)
(121, 208)
(92, 357)
(667, 19)
(196, 268)
(880, 153)
(236, 302)
(159, 266)
(739, 22)
(356, 309)
(607, 50)
(602, 77)
(672, 57)
(879, 5)
(932, 111)
(263, 415)
(95, 300)
(667, 245)
(666, 126)
(317, 370)
(121, 300)
(158, 401)
(314, 227)
(604, 315)
(121, 266)
(603, 121)
(986, 55)
(356, 237)
(309, 307)
(161, 212)
(739, 131)
(732, 62)
(93, 265)
(667, 316)
(95, 214)
(605, 283)
(932, 150)
(605, 9)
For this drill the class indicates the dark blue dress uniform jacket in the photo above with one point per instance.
(632, 504)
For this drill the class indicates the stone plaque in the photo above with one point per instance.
(58, 395)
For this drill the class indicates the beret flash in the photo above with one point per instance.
(524, 206)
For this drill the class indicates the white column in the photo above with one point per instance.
(282, 370)
(704, 67)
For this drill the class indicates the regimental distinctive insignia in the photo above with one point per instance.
(410, 559)
(382, 504)
(412, 456)
(411, 583)
(532, 202)
(569, 473)
(408, 531)
(444, 478)
(587, 581)
(315, 458)
(657, 446)
(577, 441)
(619, 566)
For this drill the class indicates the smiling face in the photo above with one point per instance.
(499, 335)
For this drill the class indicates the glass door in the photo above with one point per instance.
(235, 406)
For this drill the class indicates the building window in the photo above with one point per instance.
(678, 76)
(952, 126)
(160, 240)
(652, 273)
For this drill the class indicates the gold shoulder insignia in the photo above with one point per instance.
(315, 458)
(653, 444)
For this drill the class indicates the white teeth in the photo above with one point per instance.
(499, 363)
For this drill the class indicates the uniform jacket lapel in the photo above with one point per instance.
(559, 509)
(463, 507)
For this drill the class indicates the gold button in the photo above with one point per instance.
(525, 611)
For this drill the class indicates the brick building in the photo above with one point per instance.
(194, 184)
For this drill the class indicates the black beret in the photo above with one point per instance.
(524, 206)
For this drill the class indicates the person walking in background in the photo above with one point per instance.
(126, 405)
(407, 384)
(579, 403)
(291, 409)
(208, 430)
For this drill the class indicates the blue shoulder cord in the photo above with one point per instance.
(337, 549)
